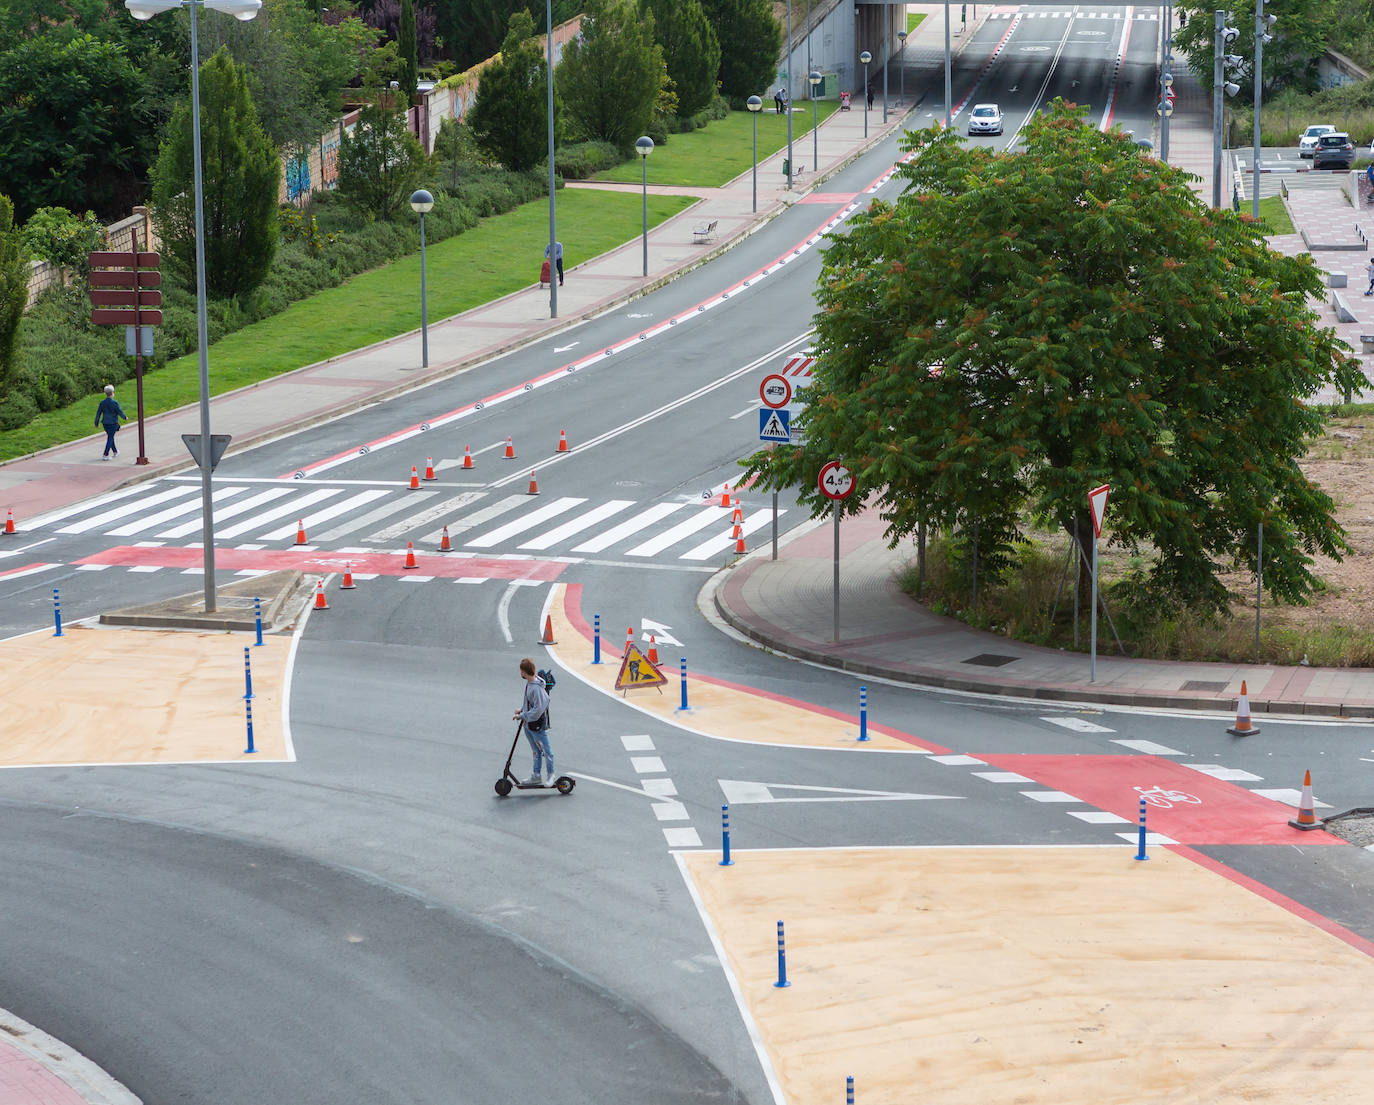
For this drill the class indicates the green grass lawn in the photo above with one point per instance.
(1274, 214)
(913, 21)
(718, 153)
(495, 258)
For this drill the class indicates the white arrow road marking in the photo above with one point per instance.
(741, 791)
(660, 632)
(565, 348)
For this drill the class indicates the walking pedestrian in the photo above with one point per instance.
(109, 415)
(1369, 269)
(557, 259)
(870, 95)
(534, 712)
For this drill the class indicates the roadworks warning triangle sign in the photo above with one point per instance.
(636, 672)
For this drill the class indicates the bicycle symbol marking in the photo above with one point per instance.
(1165, 799)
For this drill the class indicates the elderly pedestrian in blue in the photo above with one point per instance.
(108, 416)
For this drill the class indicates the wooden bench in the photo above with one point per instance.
(704, 233)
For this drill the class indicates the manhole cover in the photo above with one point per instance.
(1203, 685)
(991, 660)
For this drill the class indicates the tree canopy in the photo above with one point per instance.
(690, 50)
(754, 36)
(241, 176)
(381, 163)
(1018, 328)
(510, 118)
(611, 75)
(1290, 61)
(14, 288)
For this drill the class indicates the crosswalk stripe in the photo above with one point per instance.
(577, 525)
(151, 520)
(295, 507)
(81, 508)
(520, 525)
(88, 524)
(233, 510)
(388, 508)
(317, 517)
(711, 515)
(642, 520)
(717, 545)
(486, 514)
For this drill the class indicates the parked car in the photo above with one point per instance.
(1308, 142)
(1334, 151)
(985, 119)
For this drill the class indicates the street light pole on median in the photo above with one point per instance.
(242, 10)
(815, 79)
(754, 104)
(645, 146)
(421, 202)
(865, 57)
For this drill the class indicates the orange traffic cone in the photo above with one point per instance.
(562, 441)
(414, 478)
(429, 469)
(653, 650)
(739, 514)
(629, 638)
(1307, 814)
(739, 544)
(737, 532)
(548, 631)
(1243, 726)
(510, 450)
(320, 604)
(300, 533)
(534, 484)
(347, 584)
(725, 496)
(444, 544)
(467, 457)
(410, 556)
(9, 522)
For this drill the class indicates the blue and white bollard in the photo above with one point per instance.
(56, 613)
(596, 638)
(782, 962)
(849, 1090)
(725, 860)
(1140, 854)
(247, 678)
(682, 672)
(257, 617)
(863, 713)
(249, 707)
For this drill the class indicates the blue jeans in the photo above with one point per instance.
(539, 742)
(109, 438)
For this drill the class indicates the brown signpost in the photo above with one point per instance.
(123, 289)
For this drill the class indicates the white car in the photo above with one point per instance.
(1308, 142)
(985, 119)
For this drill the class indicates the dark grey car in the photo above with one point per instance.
(1334, 151)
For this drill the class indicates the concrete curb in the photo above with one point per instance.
(84, 1077)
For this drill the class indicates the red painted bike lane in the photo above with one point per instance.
(1182, 804)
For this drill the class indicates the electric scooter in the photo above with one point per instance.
(510, 781)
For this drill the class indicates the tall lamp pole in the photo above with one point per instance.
(787, 87)
(815, 79)
(421, 202)
(1224, 37)
(243, 10)
(553, 222)
(865, 57)
(949, 92)
(754, 104)
(1262, 36)
(901, 61)
(645, 145)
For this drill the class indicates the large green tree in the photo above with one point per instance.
(1290, 61)
(510, 118)
(381, 163)
(241, 175)
(1018, 328)
(473, 30)
(690, 50)
(409, 48)
(14, 290)
(611, 75)
(754, 40)
(74, 128)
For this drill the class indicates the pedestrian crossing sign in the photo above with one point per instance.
(775, 425)
(636, 671)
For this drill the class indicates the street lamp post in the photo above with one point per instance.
(645, 145)
(420, 202)
(901, 61)
(1225, 36)
(788, 88)
(949, 93)
(1262, 36)
(553, 223)
(243, 10)
(815, 79)
(754, 104)
(865, 57)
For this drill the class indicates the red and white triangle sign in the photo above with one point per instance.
(1097, 503)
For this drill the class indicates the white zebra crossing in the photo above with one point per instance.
(692, 531)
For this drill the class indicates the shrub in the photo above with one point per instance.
(584, 160)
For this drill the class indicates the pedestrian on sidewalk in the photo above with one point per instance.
(557, 259)
(109, 415)
(1369, 271)
(777, 102)
(534, 712)
(1369, 177)
(869, 91)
